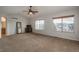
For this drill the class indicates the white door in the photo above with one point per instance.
(11, 27)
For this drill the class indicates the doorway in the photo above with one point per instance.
(3, 27)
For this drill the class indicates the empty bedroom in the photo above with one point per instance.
(39, 29)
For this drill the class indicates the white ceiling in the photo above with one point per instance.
(18, 10)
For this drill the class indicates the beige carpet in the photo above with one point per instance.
(37, 43)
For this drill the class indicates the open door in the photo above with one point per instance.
(3, 27)
(18, 27)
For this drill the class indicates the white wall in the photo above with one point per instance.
(11, 25)
(50, 28)
(24, 22)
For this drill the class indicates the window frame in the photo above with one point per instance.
(62, 19)
(39, 25)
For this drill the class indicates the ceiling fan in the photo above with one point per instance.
(30, 11)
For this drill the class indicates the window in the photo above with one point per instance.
(64, 24)
(58, 24)
(39, 24)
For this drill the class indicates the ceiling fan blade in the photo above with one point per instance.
(35, 11)
(25, 11)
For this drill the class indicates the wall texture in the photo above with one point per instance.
(50, 27)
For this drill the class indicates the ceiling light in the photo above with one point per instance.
(3, 19)
(30, 13)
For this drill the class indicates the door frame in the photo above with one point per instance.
(17, 31)
(6, 26)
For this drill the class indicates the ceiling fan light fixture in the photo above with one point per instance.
(30, 13)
